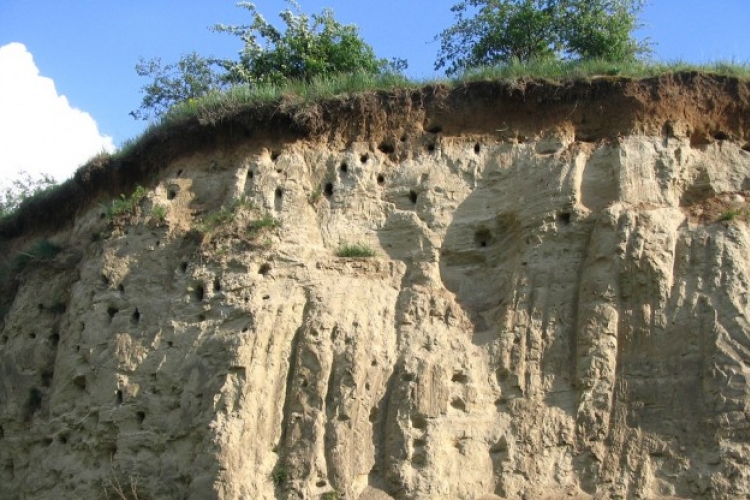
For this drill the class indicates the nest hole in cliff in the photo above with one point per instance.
(171, 193)
(279, 193)
(250, 174)
(121, 288)
(199, 292)
(80, 382)
(720, 135)
(264, 269)
(217, 285)
(118, 397)
(140, 416)
(477, 148)
(413, 197)
(179, 173)
(430, 147)
(183, 266)
(328, 189)
(32, 335)
(418, 422)
(434, 129)
(364, 157)
(459, 377)
(564, 218)
(387, 148)
(111, 311)
(47, 376)
(275, 154)
(344, 168)
(381, 179)
(482, 237)
(136, 317)
(458, 404)
(62, 439)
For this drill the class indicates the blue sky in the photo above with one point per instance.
(89, 48)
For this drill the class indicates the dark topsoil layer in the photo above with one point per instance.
(709, 107)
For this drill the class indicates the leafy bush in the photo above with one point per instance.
(159, 212)
(507, 31)
(356, 250)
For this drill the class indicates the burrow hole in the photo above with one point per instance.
(387, 148)
(720, 135)
(564, 218)
(344, 167)
(363, 158)
(183, 266)
(63, 439)
(434, 129)
(217, 285)
(459, 377)
(381, 179)
(121, 288)
(111, 311)
(32, 336)
(250, 174)
(199, 292)
(430, 147)
(119, 397)
(275, 155)
(171, 193)
(413, 196)
(54, 340)
(140, 416)
(328, 189)
(179, 173)
(403, 138)
(170, 343)
(477, 148)
(264, 269)
(482, 237)
(279, 192)
(136, 317)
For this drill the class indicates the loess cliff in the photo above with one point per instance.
(557, 304)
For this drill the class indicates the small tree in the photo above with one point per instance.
(503, 31)
(22, 187)
(309, 47)
(190, 78)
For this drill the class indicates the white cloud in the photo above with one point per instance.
(39, 131)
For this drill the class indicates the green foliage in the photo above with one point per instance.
(266, 222)
(356, 250)
(309, 47)
(731, 214)
(215, 219)
(279, 476)
(506, 31)
(21, 188)
(125, 205)
(330, 495)
(159, 212)
(191, 77)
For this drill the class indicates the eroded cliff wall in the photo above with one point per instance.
(557, 308)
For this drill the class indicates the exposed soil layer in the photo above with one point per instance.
(704, 107)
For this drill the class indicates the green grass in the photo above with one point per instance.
(265, 222)
(356, 250)
(159, 212)
(279, 476)
(730, 214)
(125, 205)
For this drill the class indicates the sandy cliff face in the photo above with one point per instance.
(557, 308)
